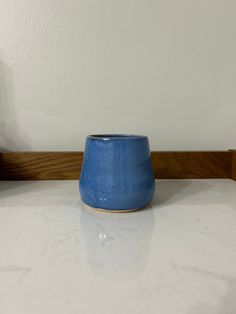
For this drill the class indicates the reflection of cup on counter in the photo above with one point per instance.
(117, 245)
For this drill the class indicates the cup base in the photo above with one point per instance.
(112, 210)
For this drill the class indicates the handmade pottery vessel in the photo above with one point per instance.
(117, 174)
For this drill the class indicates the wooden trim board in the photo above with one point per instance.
(40, 165)
(192, 165)
(233, 165)
(67, 165)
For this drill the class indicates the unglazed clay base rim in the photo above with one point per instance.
(112, 210)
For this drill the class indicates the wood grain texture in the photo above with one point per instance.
(233, 165)
(67, 165)
(40, 165)
(192, 165)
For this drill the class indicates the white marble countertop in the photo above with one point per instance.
(178, 256)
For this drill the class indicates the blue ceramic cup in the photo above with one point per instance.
(117, 174)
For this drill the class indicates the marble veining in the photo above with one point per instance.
(59, 256)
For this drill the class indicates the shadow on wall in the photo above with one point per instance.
(11, 136)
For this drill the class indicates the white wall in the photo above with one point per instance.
(165, 68)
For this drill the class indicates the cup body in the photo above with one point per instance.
(117, 173)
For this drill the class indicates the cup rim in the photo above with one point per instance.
(115, 136)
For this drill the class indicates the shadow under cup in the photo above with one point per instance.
(117, 172)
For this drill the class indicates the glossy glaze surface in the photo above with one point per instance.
(117, 172)
(178, 256)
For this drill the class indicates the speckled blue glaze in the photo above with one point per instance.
(117, 172)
